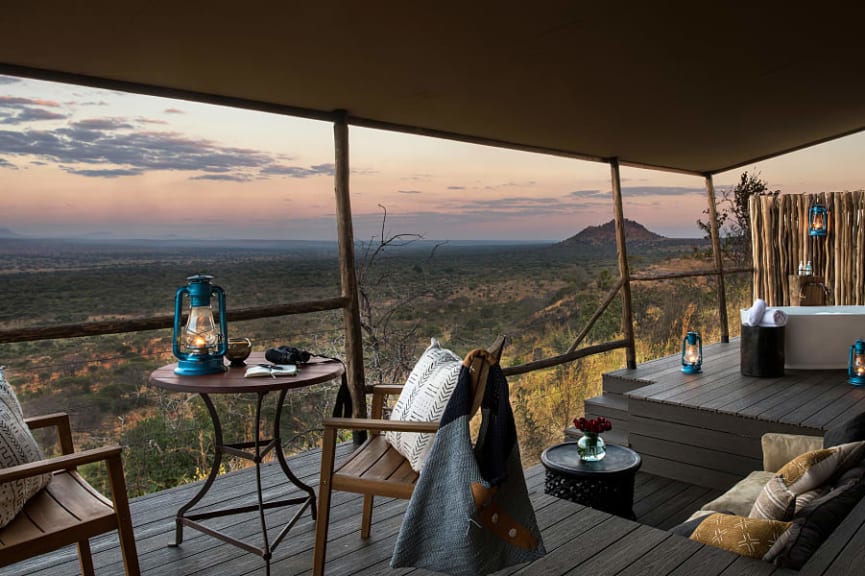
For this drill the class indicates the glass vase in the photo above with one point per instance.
(591, 447)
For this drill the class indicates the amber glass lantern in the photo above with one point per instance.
(692, 353)
(818, 220)
(200, 344)
(856, 365)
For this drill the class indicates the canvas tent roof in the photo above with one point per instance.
(692, 86)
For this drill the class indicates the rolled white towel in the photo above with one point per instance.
(773, 317)
(756, 312)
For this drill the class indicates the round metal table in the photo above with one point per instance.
(232, 381)
(607, 485)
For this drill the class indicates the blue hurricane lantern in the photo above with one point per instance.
(692, 353)
(856, 365)
(199, 345)
(818, 220)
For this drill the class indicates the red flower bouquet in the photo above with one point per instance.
(594, 426)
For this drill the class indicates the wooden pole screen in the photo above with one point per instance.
(781, 240)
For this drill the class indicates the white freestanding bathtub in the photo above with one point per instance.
(819, 337)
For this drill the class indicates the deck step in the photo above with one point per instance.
(609, 405)
(617, 383)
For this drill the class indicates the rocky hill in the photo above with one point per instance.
(605, 234)
(601, 241)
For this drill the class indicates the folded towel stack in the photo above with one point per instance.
(761, 315)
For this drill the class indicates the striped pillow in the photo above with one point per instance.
(17, 446)
(423, 399)
(805, 478)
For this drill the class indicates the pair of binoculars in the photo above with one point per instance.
(287, 355)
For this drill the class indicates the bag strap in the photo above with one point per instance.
(478, 362)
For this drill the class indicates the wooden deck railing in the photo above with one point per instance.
(159, 322)
(105, 327)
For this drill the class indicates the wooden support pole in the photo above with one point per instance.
(624, 273)
(719, 260)
(347, 274)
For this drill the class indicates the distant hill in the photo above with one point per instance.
(7, 233)
(605, 234)
(599, 242)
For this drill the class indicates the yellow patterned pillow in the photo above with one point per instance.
(751, 537)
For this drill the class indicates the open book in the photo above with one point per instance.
(272, 370)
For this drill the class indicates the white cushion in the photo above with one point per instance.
(739, 499)
(17, 446)
(423, 399)
(778, 449)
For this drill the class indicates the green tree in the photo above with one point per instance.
(734, 218)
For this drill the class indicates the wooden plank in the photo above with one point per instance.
(707, 560)
(781, 411)
(681, 388)
(669, 373)
(665, 558)
(689, 473)
(749, 397)
(851, 411)
(741, 388)
(656, 370)
(722, 441)
(805, 411)
(799, 391)
(687, 499)
(622, 553)
(580, 547)
(646, 488)
(695, 455)
(713, 420)
(743, 566)
(831, 411)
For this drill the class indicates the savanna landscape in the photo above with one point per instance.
(463, 294)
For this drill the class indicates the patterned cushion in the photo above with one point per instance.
(423, 399)
(805, 478)
(813, 524)
(17, 446)
(751, 537)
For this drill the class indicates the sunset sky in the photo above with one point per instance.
(78, 161)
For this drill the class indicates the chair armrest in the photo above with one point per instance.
(778, 449)
(65, 462)
(387, 389)
(379, 393)
(376, 425)
(60, 421)
(46, 420)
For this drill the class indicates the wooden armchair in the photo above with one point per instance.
(68, 510)
(376, 468)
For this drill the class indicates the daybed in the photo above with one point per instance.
(785, 512)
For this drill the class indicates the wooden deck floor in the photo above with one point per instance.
(659, 502)
(700, 433)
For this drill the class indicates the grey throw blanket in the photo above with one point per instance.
(470, 513)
